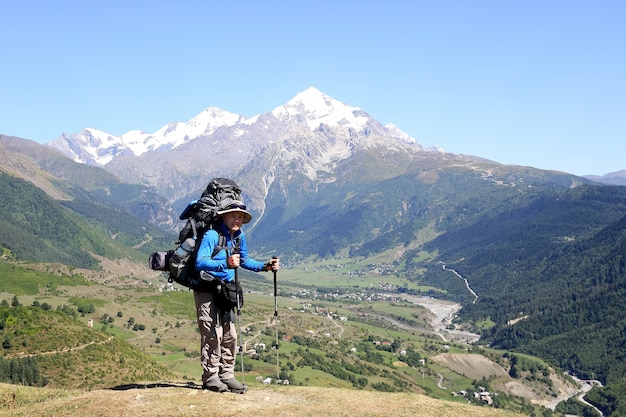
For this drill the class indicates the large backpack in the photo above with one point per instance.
(200, 216)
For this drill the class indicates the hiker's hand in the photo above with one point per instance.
(233, 261)
(272, 265)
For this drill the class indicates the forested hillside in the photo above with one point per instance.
(558, 266)
(35, 227)
(426, 198)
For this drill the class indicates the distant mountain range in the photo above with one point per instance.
(323, 179)
(308, 136)
(309, 109)
(613, 178)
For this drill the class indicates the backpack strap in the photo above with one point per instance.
(221, 244)
(194, 228)
(189, 230)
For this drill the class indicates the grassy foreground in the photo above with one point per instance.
(174, 400)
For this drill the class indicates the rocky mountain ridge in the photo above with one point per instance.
(309, 111)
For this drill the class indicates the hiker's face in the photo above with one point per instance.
(233, 220)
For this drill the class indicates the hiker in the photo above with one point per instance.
(218, 334)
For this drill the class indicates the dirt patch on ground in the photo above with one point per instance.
(125, 267)
(471, 366)
(520, 390)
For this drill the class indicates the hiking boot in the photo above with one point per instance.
(215, 384)
(235, 386)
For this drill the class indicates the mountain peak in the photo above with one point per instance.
(312, 97)
(318, 108)
(212, 118)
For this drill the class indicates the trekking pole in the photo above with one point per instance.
(239, 320)
(276, 322)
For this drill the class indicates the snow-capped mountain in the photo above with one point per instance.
(304, 141)
(311, 109)
(318, 108)
(94, 147)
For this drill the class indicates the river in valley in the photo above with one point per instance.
(443, 312)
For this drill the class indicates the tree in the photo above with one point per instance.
(15, 302)
(7, 344)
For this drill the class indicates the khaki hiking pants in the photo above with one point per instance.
(218, 337)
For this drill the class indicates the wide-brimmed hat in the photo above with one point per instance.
(236, 206)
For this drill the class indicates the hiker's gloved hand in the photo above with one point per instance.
(272, 265)
(233, 261)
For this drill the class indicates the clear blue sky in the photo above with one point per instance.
(532, 82)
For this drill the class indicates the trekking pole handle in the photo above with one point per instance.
(233, 251)
(236, 249)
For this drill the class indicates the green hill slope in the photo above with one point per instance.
(67, 353)
(35, 227)
(559, 265)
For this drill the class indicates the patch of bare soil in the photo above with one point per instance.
(472, 366)
(563, 387)
(520, 390)
(540, 395)
(125, 267)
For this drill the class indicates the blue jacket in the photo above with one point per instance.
(217, 265)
